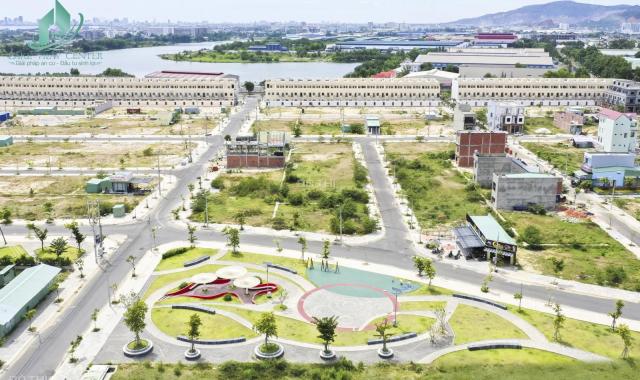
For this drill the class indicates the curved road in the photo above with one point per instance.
(42, 357)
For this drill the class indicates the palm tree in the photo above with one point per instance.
(132, 260)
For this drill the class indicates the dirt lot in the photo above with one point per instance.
(91, 155)
(27, 197)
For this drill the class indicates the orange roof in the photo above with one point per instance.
(385, 74)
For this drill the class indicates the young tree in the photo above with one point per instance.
(191, 230)
(80, 265)
(194, 330)
(74, 228)
(55, 287)
(303, 245)
(94, 318)
(41, 234)
(327, 329)
(616, 314)
(5, 215)
(233, 238)
(266, 325)
(48, 209)
(326, 249)
(132, 261)
(249, 86)
(627, 339)
(418, 263)
(558, 321)
(58, 246)
(558, 265)
(382, 332)
(29, 315)
(240, 217)
(134, 318)
(72, 350)
(518, 296)
(429, 270)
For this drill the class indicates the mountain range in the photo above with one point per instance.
(558, 12)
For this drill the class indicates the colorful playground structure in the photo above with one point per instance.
(226, 281)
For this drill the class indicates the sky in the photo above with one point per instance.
(410, 11)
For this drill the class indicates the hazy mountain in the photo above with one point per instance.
(567, 12)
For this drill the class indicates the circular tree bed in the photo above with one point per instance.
(327, 355)
(192, 355)
(388, 354)
(269, 351)
(137, 349)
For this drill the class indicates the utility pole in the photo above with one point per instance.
(92, 212)
(159, 178)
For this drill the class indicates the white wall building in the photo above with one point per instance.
(82, 91)
(508, 117)
(478, 92)
(352, 92)
(617, 132)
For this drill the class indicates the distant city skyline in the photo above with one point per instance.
(216, 11)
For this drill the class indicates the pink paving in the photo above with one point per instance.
(221, 287)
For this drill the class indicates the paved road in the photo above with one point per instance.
(42, 357)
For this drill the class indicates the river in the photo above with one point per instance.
(142, 61)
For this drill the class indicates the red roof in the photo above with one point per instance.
(496, 36)
(385, 74)
(614, 115)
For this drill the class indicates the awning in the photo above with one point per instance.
(503, 253)
(466, 238)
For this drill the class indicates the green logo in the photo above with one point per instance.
(55, 30)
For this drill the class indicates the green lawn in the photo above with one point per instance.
(471, 324)
(13, 252)
(532, 124)
(179, 260)
(587, 336)
(559, 155)
(485, 365)
(438, 194)
(175, 322)
(306, 127)
(165, 279)
(296, 264)
(421, 306)
(589, 253)
(289, 328)
(71, 253)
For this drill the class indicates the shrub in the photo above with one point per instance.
(279, 223)
(356, 195)
(148, 152)
(296, 199)
(227, 298)
(537, 209)
(174, 252)
(315, 194)
(532, 236)
(217, 183)
(369, 225)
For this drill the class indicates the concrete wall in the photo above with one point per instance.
(254, 161)
(512, 192)
(486, 166)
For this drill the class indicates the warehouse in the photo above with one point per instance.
(23, 293)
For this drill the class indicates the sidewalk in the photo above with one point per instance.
(47, 314)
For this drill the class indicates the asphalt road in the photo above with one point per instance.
(42, 357)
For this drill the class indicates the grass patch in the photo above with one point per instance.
(425, 290)
(589, 253)
(289, 328)
(498, 365)
(165, 279)
(421, 306)
(558, 155)
(471, 324)
(532, 124)
(12, 252)
(135, 345)
(587, 336)
(179, 260)
(175, 322)
(257, 259)
(71, 253)
(438, 194)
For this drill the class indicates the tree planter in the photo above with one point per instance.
(327, 355)
(192, 355)
(271, 355)
(385, 355)
(134, 353)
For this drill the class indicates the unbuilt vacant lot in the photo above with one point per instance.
(409, 126)
(438, 194)
(91, 155)
(561, 155)
(319, 178)
(27, 196)
(590, 255)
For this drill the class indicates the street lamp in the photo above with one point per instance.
(267, 264)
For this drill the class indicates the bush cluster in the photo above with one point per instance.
(174, 252)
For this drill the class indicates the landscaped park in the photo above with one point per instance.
(322, 185)
(239, 297)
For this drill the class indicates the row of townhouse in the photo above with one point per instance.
(48, 91)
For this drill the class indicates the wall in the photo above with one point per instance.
(467, 143)
(485, 166)
(254, 161)
(519, 192)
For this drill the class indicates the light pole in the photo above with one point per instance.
(267, 264)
